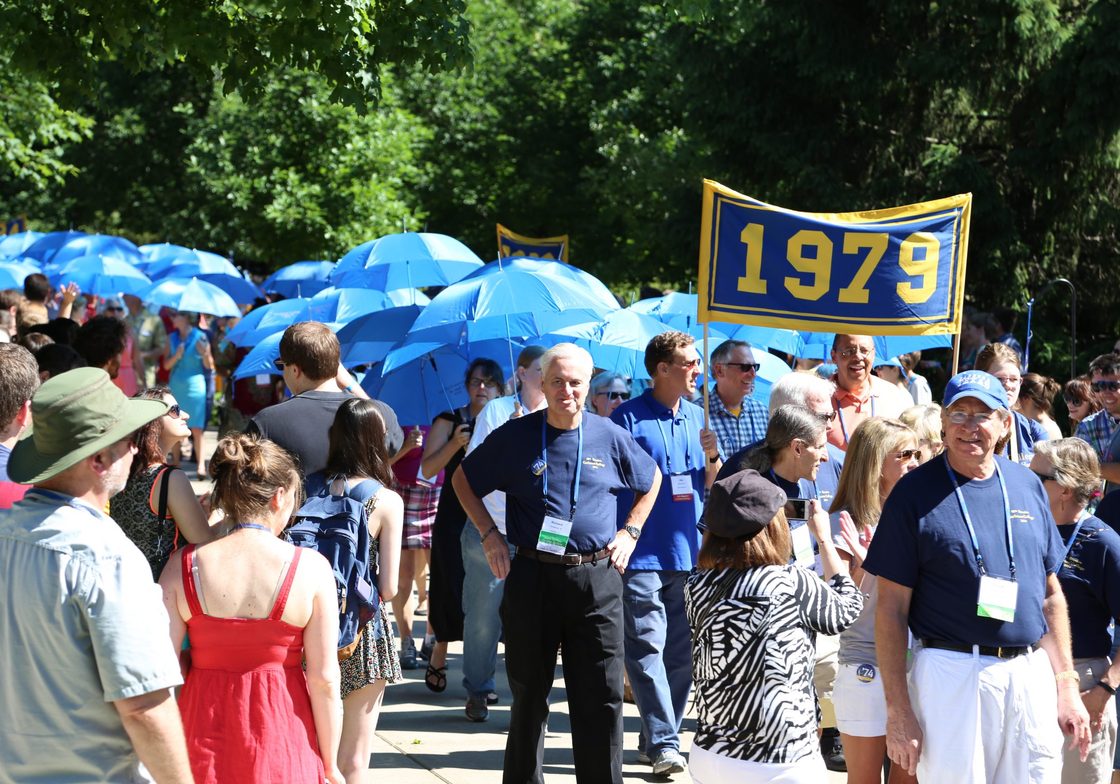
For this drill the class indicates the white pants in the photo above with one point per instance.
(986, 720)
(706, 767)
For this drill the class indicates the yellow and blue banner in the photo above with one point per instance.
(15, 225)
(510, 243)
(894, 271)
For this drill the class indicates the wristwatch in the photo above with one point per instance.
(634, 531)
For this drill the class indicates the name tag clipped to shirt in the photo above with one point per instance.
(554, 535)
(802, 545)
(681, 485)
(997, 598)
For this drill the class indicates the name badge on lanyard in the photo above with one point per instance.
(680, 482)
(556, 531)
(803, 554)
(996, 597)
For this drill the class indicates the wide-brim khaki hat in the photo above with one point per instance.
(74, 415)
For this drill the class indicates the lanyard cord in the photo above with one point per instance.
(1081, 518)
(687, 444)
(579, 465)
(972, 530)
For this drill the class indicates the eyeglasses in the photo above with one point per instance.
(114, 310)
(1072, 402)
(175, 412)
(1043, 476)
(1105, 386)
(481, 383)
(962, 417)
(1010, 380)
(848, 353)
(280, 364)
(690, 364)
(827, 416)
(616, 395)
(744, 367)
(908, 454)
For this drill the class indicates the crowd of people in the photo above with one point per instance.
(846, 576)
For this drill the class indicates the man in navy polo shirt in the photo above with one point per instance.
(967, 555)
(560, 470)
(658, 639)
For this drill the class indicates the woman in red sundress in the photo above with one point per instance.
(256, 607)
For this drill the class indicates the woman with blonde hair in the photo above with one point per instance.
(1002, 361)
(925, 420)
(1090, 577)
(880, 453)
(754, 617)
(258, 609)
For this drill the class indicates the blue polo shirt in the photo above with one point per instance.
(922, 543)
(1090, 577)
(670, 540)
(611, 462)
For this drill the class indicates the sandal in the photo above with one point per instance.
(436, 678)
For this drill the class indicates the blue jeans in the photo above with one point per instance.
(658, 654)
(482, 626)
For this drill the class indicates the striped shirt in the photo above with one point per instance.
(736, 432)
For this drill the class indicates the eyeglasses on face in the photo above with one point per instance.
(1043, 476)
(1073, 402)
(1105, 386)
(474, 382)
(743, 367)
(114, 309)
(690, 364)
(1010, 381)
(908, 454)
(827, 416)
(280, 364)
(863, 351)
(963, 417)
(175, 412)
(616, 395)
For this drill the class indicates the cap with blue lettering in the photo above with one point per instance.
(976, 383)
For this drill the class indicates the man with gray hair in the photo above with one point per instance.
(560, 470)
(736, 417)
(19, 378)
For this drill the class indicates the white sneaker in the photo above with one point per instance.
(669, 763)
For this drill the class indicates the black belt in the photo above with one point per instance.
(1001, 652)
(567, 559)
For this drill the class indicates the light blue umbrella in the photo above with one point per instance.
(266, 320)
(301, 279)
(158, 252)
(617, 342)
(679, 310)
(12, 246)
(192, 296)
(44, 248)
(261, 359)
(98, 245)
(818, 345)
(405, 261)
(369, 338)
(192, 263)
(345, 305)
(102, 276)
(13, 272)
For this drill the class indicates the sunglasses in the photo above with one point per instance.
(1105, 386)
(174, 411)
(1043, 476)
(1072, 401)
(481, 383)
(690, 364)
(908, 454)
(113, 309)
(280, 364)
(829, 416)
(616, 395)
(744, 367)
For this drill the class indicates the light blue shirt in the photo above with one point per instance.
(83, 625)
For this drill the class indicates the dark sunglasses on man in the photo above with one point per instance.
(1105, 386)
(743, 367)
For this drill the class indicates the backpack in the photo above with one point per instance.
(337, 527)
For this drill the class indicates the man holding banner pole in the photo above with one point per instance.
(737, 418)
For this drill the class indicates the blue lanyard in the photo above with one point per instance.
(579, 465)
(62, 499)
(968, 519)
(840, 415)
(1081, 518)
(687, 444)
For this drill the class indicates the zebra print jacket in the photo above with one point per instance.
(753, 651)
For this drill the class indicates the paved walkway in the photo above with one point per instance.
(425, 738)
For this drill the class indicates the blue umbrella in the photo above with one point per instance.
(369, 338)
(102, 276)
(302, 279)
(679, 311)
(192, 296)
(98, 245)
(261, 322)
(44, 248)
(345, 305)
(261, 360)
(509, 299)
(408, 260)
(158, 252)
(192, 263)
(617, 342)
(12, 246)
(818, 345)
(13, 272)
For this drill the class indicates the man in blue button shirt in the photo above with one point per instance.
(967, 555)
(658, 640)
(560, 470)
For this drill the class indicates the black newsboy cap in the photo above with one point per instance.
(741, 505)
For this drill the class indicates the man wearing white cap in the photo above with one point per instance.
(967, 555)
